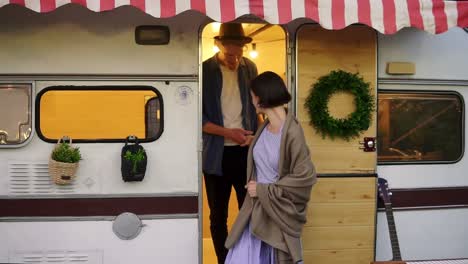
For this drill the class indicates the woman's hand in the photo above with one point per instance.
(252, 188)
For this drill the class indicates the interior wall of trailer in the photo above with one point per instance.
(440, 232)
(85, 108)
(270, 45)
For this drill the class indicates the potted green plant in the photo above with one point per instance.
(135, 158)
(134, 161)
(63, 162)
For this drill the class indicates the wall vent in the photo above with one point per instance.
(56, 257)
(29, 177)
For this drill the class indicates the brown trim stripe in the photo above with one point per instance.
(98, 206)
(428, 197)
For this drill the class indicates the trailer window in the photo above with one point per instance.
(15, 114)
(99, 113)
(418, 127)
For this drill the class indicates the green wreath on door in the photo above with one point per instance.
(317, 105)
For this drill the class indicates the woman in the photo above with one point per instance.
(280, 176)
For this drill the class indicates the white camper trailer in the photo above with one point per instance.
(104, 72)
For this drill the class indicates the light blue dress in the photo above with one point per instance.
(249, 249)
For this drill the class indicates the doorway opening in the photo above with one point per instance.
(268, 51)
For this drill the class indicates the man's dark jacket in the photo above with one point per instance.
(213, 145)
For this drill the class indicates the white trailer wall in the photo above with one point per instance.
(442, 56)
(441, 64)
(75, 46)
(75, 40)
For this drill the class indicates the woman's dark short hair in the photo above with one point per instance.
(270, 89)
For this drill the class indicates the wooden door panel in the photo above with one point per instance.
(320, 51)
(348, 256)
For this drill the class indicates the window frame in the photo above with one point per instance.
(32, 113)
(97, 88)
(434, 92)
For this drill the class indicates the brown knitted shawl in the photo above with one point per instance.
(278, 214)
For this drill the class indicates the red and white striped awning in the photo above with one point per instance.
(386, 16)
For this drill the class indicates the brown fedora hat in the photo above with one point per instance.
(232, 31)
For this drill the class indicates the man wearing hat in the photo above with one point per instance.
(229, 122)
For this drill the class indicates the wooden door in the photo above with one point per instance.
(341, 216)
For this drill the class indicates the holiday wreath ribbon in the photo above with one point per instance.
(317, 105)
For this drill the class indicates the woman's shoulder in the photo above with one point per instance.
(292, 124)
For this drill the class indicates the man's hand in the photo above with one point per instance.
(238, 135)
(248, 141)
(252, 188)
